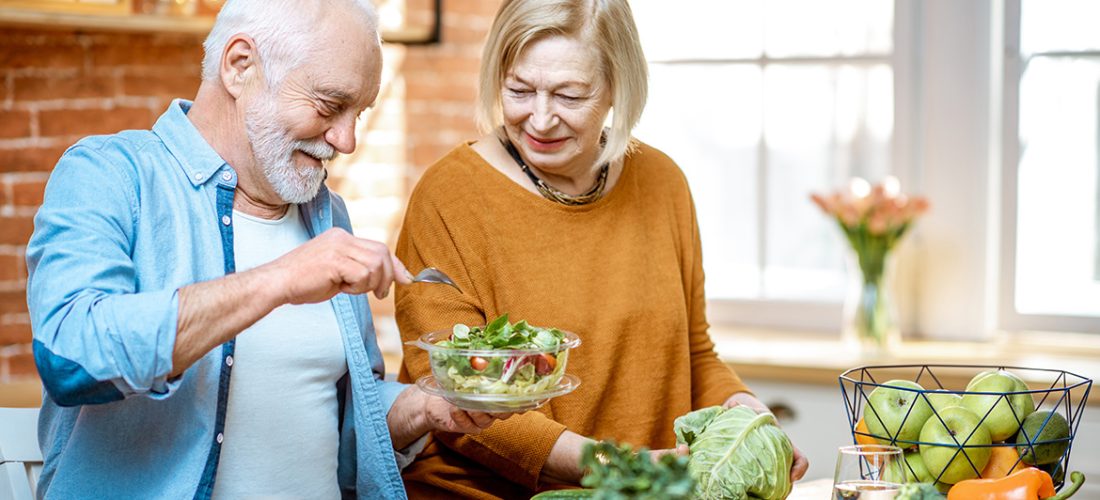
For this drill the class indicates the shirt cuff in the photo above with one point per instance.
(406, 455)
(388, 392)
(127, 320)
(162, 387)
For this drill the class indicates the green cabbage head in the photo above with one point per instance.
(736, 453)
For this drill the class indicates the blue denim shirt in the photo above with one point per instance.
(128, 219)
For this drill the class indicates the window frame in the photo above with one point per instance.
(1009, 318)
(956, 102)
(826, 316)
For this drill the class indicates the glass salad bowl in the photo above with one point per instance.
(500, 367)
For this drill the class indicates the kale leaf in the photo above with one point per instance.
(618, 472)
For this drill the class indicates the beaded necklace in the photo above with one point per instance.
(550, 192)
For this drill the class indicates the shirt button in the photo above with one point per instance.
(198, 176)
(226, 220)
(226, 176)
(220, 438)
(229, 361)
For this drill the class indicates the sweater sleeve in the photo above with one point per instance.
(516, 448)
(712, 381)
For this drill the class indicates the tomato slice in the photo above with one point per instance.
(545, 363)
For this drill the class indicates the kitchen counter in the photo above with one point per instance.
(800, 371)
(810, 358)
(797, 375)
(817, 489)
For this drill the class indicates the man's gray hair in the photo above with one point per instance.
(282, 29)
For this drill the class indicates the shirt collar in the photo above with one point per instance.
(198, 160)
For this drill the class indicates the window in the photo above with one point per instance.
(1051, 184)
(761, 103)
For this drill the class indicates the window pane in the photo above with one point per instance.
(1056, 247)
(700, 29)
(1058, 25)
(817, 28)
(756, 136)
(713, 133)
(823, 124)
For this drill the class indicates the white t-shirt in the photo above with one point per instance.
(281, 436)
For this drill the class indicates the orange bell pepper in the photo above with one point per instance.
(1027, 484)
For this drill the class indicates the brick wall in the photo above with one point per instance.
(429, 96)
(58, 86)
(442, 83)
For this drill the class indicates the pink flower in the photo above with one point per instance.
(869, 212)
(878, 223)
(825, 204)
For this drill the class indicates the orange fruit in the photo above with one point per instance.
(860, 438)
(1003, 461)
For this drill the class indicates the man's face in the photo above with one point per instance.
(298, 127)
(275, 150)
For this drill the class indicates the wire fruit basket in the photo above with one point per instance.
(961, 422)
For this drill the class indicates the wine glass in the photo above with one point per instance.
(868, 472)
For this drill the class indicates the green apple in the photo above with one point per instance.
(916, 472)
(954, 451)
(912, 470)
(892, 471)
(895, 411)
(1002, 413)
(979, 377)
(940, 399)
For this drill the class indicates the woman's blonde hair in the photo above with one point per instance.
(609, 24)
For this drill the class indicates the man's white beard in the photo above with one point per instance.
(274, 148)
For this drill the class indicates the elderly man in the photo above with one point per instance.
(200, 323)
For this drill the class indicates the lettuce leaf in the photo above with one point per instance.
(736, 453)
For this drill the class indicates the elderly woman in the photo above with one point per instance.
(553, 219)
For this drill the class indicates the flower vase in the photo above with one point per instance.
(870, 318)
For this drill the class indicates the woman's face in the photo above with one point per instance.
(555, 102)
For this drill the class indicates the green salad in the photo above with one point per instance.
(523, 373)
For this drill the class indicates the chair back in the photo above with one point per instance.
(20, 457)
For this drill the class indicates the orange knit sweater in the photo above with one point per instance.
(624, 273)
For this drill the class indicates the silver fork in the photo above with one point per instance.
(433, 275)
